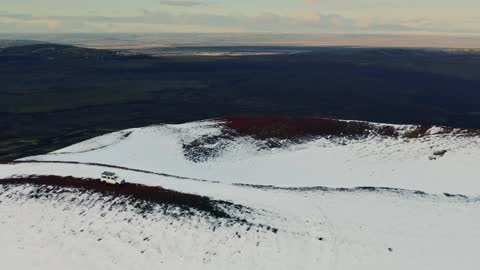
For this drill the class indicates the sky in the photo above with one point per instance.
(241, 16)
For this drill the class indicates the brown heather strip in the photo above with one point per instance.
(147, 193)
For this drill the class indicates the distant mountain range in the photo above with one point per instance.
(149, 40)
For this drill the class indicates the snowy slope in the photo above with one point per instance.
(326, 229)
(307, 215)
(207, 150)
(94, 231)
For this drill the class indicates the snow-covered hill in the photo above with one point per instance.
(281, 152)
(288, 188)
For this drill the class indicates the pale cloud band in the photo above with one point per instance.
(265, 16)
(180, 3)
(307, 22)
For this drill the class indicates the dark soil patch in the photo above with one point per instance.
(206, 147)
(455, 195)
(140, 192)
(440, 153)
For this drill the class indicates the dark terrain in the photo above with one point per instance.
(52, 96)
(141, 196)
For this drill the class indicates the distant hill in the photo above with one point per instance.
(13, 43)
(55, 50)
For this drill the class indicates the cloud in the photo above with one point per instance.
(52, 24)
(181, 3)
(269, 22)
(310, 2)
(295, 22)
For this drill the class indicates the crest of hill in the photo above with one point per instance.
(4, 43)
(289, 127)
(57, 51)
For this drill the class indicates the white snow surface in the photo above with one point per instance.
(374, 161)
(356, 228)
(317, 228)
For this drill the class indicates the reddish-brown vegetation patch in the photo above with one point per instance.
(286, 127)
(146, 193)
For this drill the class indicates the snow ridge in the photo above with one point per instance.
(294, 153)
